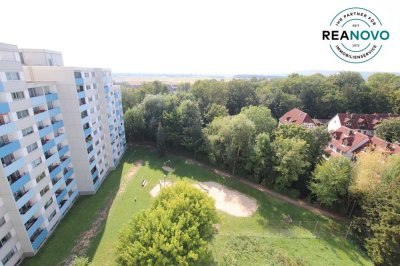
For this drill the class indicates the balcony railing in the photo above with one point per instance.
(30, 222)
(20, 194)
(24, 209)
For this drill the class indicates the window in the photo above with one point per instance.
(44, 190)
(40, 177)
(22, 114)
(36, 162)
(88, 87)
(77, 75)
(94, 86)
(12, 76)
(27, 131)
(48, 203)
(90, 99)
(52, 215)
(5, 239)
(18, 95)
(86, 74)
(32, 147)
(9, 255)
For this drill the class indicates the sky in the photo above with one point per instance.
(192, 37)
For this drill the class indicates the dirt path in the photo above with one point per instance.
(269, 192)
(83, 241)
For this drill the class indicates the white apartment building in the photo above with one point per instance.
(61, 132)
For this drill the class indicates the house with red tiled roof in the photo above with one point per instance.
(346, 142)
(383, 146)
(297, 117)
(363, 123)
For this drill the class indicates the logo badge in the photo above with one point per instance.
(355, 35)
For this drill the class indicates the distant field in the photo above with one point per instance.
(138, 80)
(261, 239)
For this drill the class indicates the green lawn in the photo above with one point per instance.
(257, 240)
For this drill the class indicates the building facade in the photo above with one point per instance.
(61, 132)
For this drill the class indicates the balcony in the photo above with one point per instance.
(79, 81)
(57, 183)
(4, 108)
(38, 100)
(44, 130)
(22, 197)
(7, 126)
(63, 151)
(9, 147)
(68, 172)
(38, 238)
(95, 174)
(57, 125)
(87, 132)
(14, 166)
(51, 159)
(54, 111)
(28, 211)
(33, 224)
(19, 182)
(59, 138)
(70, 184)
(51, 97)
(65, 163)
(54, 170)
(60, 194)
(43, 114)
(48, 144)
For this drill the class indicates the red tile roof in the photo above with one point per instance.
(384, 146)
(346, 139)
(362, 121)
(296, 116)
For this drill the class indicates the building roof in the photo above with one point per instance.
(362, 121)
(346, 139)
(384, 146)
(295, 116)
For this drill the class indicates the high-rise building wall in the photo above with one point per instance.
(37, 184)
(61, 132)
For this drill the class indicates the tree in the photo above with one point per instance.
(331, 180)
(214, 110)
(153, 106)
(160, 140)
(175, 231)
(392, 169)
(262, 157)
(377, 225)
(290, 160)
(389, 130)
(277, 101)
(230, 140)
(261, 117)
(134, 123)
(190, 119)
(241, 93)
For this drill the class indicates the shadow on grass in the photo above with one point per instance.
(79, 219)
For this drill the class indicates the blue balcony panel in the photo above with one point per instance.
(52, 159)
(93, 164)
(87, 131)
(55, 111)
(11, 168)
(48, 145)
(25, 198)
(51, 97)
(65, 206)
(35, 226)
(38, 100)
(4, 108)
(65, 163)
(69, 173)
(1, 86)
(58, 125)
(63, 151)
(58, 184)
(8, 128)
(41, 116)
(73, 195)
(55, 172)
(91, 154)
(71, 185)
(81, 94)
(95, 174)
(44, 131)
(61, 195)
(25, 217)
(89, 143)
(9, 148)
(97, 184)
(83, 107)
(85, 120)
(22, 181)
(40, 239)
(59, 139)
(79, 81)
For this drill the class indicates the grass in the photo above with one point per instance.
(264, 237)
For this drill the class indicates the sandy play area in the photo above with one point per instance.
(156, 189)
(227, 200)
